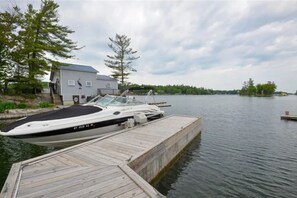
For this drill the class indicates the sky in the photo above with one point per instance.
(212, 44)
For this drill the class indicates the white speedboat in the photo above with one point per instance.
(78, 123)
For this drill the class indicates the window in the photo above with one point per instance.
(71, 82)
(88, 83)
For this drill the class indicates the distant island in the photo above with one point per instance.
(261, 90)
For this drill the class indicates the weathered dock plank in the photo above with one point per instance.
(34, 171)
(120, 147)
(74, 160)
(119, 165)
(12, 181)
(87, 158)
(50, 176)
(69, 184)
(132, 193)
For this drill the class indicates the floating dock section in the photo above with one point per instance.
(118, 165)
(289, 117)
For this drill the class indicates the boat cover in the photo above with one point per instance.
(72, 111)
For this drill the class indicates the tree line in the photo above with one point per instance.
(249, 89)
(180, 90)
(30, 43)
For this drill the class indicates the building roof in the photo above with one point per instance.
(74, 67)
(103, 77)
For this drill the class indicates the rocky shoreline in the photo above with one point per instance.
(11, 114)
(20, 113)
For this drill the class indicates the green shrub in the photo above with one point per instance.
(45, 104)
(1, 109)
(10, 105)
(7, 105)
(22, 106)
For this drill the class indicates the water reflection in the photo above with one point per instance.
(170, 177)
(12, 151)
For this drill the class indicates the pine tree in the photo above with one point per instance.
(41, 36)
(248, 88)
(251, 88)
(9, 21)
(121, 61)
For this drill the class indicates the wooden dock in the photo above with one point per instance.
(118, 165)
(289, 117)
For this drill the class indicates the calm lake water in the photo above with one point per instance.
(245, 150)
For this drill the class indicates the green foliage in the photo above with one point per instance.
(45, 104)
(6, 105)
(226, 92)
(174, 90)
(11, 105)
(27, 86)
(9, 21)
(45, 84)
(42, 34)
(22, 106)
(266, 89)
(121, 61)
(29, 38)
(249, 89)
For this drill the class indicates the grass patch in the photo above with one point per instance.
(22, 106)
(45, 104)
(11, 105)
(7, 105)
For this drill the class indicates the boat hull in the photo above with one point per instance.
(69, 139)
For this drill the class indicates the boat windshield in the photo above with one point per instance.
(118, 101)
(104, 101)
(125, 101)
(95, 99)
